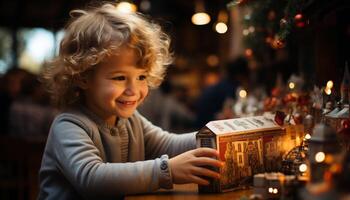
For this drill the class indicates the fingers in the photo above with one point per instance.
(201, 161)
(201, 171)
(199, 180)
(205, 152)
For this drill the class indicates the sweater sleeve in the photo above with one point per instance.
(80, 162)
(159, 142)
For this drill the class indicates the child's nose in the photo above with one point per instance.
(130, 88)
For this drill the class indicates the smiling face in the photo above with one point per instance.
(116, 87)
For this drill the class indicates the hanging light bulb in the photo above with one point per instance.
(200, 17)
(221, 24)
(126, 7)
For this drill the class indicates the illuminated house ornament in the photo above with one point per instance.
(200, 17)
(126, 7)
(221, 24)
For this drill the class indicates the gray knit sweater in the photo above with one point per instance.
(85, 158)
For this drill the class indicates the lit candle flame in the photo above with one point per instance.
(328, 91)
(329, 84)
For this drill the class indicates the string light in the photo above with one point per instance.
(328, 91)
(303, 167)
(248, 53)
(291, 85)
(242, 93)
(320, 157)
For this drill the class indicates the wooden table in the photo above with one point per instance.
(189, 192)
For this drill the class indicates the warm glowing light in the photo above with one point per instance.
(320, 157)
(268, 40)
(303, 167)
(270, 190)
(243, 93)
(291, 85)
(126, 7)
(330, 84)
(251, 29)
(307, 136)
(248, 52)
(245, 32)
(200, 18)
(212, 60)
(328, 91)
(275, 191)
(221, 27)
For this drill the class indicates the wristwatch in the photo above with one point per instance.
(165, 180)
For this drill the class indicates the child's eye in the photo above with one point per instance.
(142, 77)
(119, 78)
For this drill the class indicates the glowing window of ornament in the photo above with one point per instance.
(328, 91)
(275, 191)
(329, 84)
(307, 136)
(270, 190)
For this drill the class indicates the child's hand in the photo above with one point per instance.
(189, 167)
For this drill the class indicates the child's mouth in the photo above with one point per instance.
(127, 102)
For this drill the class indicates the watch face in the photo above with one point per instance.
(163, 165)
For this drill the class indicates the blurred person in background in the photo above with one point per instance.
(10, 87)
(31, 113)
(211, 101)
(173, 115)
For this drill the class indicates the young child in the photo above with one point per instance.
(100, 146)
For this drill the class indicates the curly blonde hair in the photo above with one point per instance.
(93, 34)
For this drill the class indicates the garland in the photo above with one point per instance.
(270, 22)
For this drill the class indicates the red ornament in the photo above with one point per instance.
(298, 118)
(279, 117)
(345, 123)
(298, 16)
